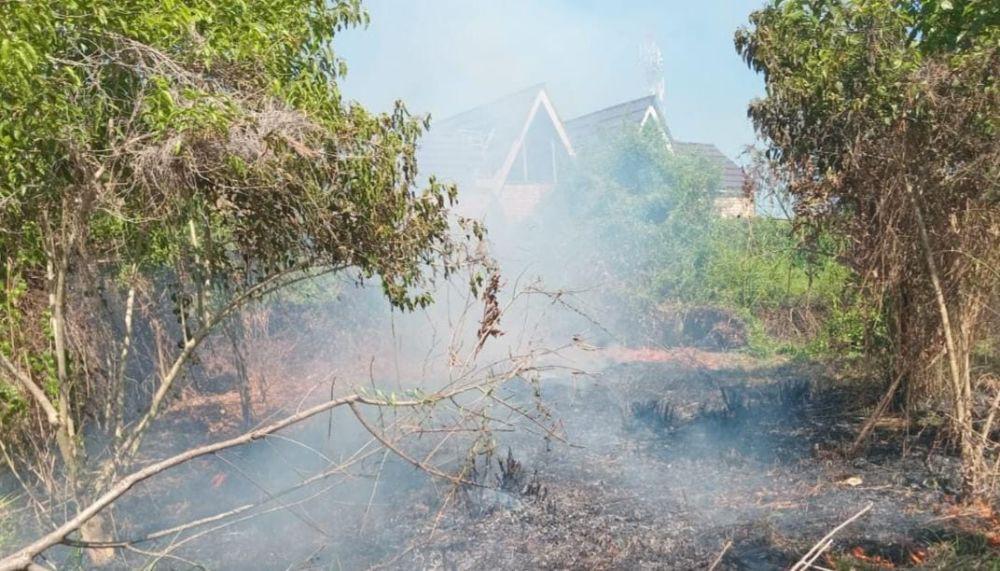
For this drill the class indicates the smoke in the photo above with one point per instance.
(332, 337)
(443, 57)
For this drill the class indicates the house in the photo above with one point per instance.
(503, 155)
(730, 200)
(644, 112)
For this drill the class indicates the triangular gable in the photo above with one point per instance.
(636, 113)
(542, 102)
(652, 115)
(477, 148)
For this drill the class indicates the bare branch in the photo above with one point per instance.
(825, 543)
(36, 393)
(24, 557)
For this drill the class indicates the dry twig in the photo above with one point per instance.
(823, 544)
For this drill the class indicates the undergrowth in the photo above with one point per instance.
(638, 219)
(793, 302)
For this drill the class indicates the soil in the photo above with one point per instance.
(688, 459)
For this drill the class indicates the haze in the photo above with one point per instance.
(446, 56)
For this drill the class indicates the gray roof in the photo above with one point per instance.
(732, 175)
(630, 113)
(473, 145)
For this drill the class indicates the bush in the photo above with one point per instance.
(636, 220)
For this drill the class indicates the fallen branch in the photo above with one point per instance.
(718, 559)
(416, 463)
(176, 530)
(880, 409)
(162, 533)
(825, 543)
(24, 558)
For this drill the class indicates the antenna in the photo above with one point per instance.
(651, 59)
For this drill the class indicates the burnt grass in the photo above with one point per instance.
(667, 467)
(658, 465)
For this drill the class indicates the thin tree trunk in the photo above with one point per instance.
(70, 450)
(65, 433)
(118, 389)
(959, 381)
(235, 332)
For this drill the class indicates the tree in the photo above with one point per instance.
(628, 208)
(197, 152)
(884, 116)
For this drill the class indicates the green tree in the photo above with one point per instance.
(635, 221)
(628, 204)
(193, 150)
(884, 115)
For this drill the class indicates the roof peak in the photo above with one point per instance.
(649, 99)
(699, 144)
(531, 89)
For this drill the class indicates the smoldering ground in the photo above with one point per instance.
(326, 484)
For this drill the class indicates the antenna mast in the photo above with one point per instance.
(652, 63)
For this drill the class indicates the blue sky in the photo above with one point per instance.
(445, 56)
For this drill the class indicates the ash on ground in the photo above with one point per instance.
(668, 466)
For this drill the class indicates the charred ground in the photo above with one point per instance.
(671, 464)
(664, 459)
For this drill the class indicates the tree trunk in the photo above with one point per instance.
(235, 333)
(65, 431)
(95, 530)
(957, 353)
(117, 400)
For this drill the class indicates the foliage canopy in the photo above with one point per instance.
(884, 117)
(178, 160)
